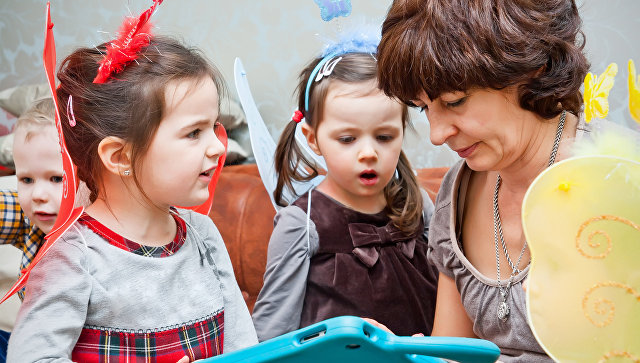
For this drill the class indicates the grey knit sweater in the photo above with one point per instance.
(84, 281)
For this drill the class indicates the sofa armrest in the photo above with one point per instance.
(243, 213)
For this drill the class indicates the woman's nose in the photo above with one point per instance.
(440, 128)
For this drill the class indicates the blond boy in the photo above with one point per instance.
(28, 215)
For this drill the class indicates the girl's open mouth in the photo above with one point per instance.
(368, 177)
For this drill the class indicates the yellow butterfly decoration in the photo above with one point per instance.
(581, 218)
(596, 92)
(634, 93)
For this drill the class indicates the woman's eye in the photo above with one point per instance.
(346, 139)
(194, 134)
(56, 179)
(457, 102)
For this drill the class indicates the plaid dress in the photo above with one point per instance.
(196, 339)
(17, 230)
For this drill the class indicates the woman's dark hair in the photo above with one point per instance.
(402, 194)
(439, 46)
(130, 105)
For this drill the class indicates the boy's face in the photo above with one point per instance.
(38, 164)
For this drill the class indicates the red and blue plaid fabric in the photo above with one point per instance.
(202, 339)
(16, 229)
(131, 246)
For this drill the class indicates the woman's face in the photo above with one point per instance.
(486, 127)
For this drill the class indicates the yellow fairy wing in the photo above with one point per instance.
(634, 93)
(596, 92)
(581, 218)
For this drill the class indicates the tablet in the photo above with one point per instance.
(350, 339)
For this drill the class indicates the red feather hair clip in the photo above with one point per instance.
(134, 35)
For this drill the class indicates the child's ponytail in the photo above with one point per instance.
(290, 162)
(404, 198)
(288, 158)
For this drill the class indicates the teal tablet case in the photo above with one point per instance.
(349, 339)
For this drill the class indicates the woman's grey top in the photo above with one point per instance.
(479, 293)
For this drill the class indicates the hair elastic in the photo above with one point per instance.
(297, 116)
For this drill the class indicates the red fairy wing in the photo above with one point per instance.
(69, 172)
(205, 207)
(67, 215)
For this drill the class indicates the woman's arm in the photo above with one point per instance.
(279, 305)
(451, 319)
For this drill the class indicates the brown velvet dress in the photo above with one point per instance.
(366, 267)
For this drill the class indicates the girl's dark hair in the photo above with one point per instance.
(404, 201)
(441, 46)
(130, 105)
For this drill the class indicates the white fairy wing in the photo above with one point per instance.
(262, 143)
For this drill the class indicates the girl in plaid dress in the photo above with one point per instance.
(135, 278)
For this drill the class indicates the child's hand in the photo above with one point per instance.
(185, 359)
(377, 325)
(383, 327)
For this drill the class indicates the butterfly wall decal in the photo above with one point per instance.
(330, 9)
(596, 92)
(634, 92)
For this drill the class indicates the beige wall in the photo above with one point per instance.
(274, 38)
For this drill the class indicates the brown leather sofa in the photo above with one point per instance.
(243, 213)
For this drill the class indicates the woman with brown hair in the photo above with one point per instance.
(500, 83)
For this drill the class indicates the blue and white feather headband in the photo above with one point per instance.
(361, 39)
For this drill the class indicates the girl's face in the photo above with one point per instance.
(484, 126)
(177, 168)
(360, 138)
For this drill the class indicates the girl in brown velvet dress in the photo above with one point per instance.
(356, 244)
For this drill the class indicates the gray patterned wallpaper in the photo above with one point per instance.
(274, 39)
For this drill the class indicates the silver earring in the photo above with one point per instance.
(126, 172)
(396, 174)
